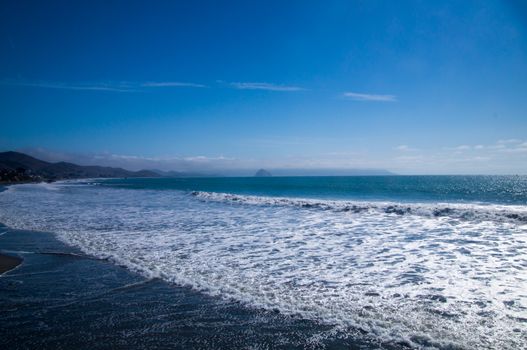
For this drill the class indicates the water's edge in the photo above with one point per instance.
(105, 294)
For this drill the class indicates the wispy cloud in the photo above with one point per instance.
(462, 148)
(207, 159)
(502, 146)
(369, 97)
(99, 86)
(508, 141)
(510, 150)
(405, 148)
(517, 147)
(119, 87)
(496, 147)
(172, 84)
(265, 86)
(409, 159)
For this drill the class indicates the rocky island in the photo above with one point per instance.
(262, 173)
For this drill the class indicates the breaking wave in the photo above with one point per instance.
(487, 212)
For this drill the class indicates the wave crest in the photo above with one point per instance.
(478, 212)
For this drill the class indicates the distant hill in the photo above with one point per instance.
(262, 173)
(19, 167)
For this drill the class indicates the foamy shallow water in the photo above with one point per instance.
(430, 280)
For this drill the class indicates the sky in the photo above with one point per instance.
(414, 87)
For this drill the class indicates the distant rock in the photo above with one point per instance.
(262, 173)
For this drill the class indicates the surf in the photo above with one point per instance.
(416, 278)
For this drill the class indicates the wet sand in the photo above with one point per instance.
(8, 263)
(60, 298)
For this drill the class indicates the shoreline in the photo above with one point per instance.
(131, 311)
(8, 263)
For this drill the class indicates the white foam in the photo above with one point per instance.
(471, 211)
(430, 281)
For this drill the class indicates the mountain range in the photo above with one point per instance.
(19, 167)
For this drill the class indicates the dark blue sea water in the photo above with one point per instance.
(306, 262)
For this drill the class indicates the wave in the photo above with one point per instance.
(479, 212)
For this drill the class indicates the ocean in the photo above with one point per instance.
(434, 262)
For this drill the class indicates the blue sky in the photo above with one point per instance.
(416, 87)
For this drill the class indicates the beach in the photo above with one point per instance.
(8, 262)
(62, 298)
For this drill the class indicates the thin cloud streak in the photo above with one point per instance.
(265, 86)
(508, 141)
(369, 97)
(405, 148)
(172, 84)
(110, 86)
(64, 86)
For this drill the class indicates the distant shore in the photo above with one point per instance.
(8, 262)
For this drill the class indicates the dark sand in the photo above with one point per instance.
(8, 263)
